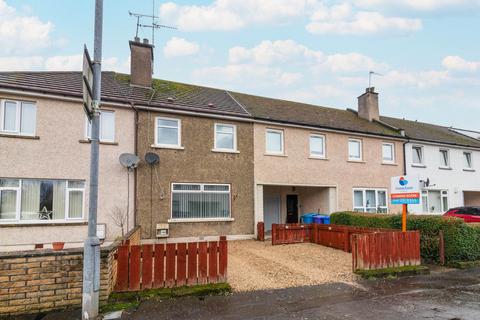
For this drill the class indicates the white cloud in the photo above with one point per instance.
(456, 63)
(421, 5)
(396, 78)
(288, 51)
(21, 34)
(21, 63)
(232, 14)
(342, 19)
(179, 47)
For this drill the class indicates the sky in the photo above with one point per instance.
(426, 52)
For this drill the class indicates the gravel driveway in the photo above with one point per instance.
(255, 265)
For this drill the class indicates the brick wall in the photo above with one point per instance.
(34, 281)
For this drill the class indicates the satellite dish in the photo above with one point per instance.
(129, 161)
(152, 158)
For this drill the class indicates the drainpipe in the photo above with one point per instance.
(405, 158)
(135, 149)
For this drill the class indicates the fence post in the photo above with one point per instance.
(441, 248)
(274, 234)
(354, 252)
(261, 231)
(222, 259)
(346, 240)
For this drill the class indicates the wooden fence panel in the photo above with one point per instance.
(291, 233)
(159, 266)
(134, 272)
(145, 266)
(385, 250)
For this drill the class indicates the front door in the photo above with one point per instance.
(271, 211)
(292, 208)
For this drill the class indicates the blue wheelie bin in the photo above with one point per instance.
(308, 217)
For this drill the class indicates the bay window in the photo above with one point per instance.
(30, 200)
(200, 201)
(370, 200)
(17, 117)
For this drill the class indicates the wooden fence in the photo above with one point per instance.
(385, 250)
(169, 265)
(291, 233)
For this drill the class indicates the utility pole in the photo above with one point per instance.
(91, 253)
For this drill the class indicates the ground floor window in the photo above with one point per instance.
(200, 201)
(39, 199)
(435, 201)
(370, 200)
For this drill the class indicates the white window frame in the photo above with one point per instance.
(392, 145)
(443, 194)
(88, 127)
(282, 138)
(440, 152)
(364, 199)
(422, 156)
(67, 201)
(316, 135)
(18, 208)
(18, 118)
(215, 148)
(178, 145)
(202, 187)
(465, 162)
(360, 142)
(18, 190)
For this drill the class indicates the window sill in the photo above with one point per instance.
(469, 170)
(201, 220)
(101, 142)
(18, 136)
(159, 146)
(356, 161)
(275, 154)
(389, 164)
(225, 151)
(318, 158)
(419, 166)
(47, 223)
(445, 168)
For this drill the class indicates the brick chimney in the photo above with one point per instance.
(141, 63)
(368, 105)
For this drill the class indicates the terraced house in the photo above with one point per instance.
(213, 162)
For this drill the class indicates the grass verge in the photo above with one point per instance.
(393, 272)
(464, 264)
(131, 300)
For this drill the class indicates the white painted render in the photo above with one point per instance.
(455, 180)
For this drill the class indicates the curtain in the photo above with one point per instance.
(75, 204)
(8, 201)
(59, 199)
(30, 199)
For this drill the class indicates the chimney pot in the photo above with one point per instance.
(145, 40)
(368, 105)
(136, 39)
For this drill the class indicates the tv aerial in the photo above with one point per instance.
(370, 74)
(153, 25)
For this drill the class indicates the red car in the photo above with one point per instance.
(468, 214)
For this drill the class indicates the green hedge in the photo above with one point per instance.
(462, 241)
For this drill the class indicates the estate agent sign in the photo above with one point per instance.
(405, 190)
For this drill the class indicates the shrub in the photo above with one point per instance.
(462, 241)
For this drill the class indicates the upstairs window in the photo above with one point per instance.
(274, 141)
(355, 149)
(18, 117)
(317, 146)
(417, 155)
(467, 160)
(107, 126)
(444, 158)
(225, 137)
(388, 153)
(168, 133)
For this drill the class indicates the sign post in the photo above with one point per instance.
(405, 190)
